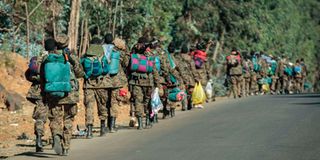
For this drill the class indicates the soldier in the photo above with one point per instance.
(143, 76)
(94, 87)
(188, 73)
(255, 73)
(272, 70)
(170, 78)
(116, 78)
(202, 65)
(247, 70)
(59, 73)
(282, 77)
(234, 66)
(304, 73)
(298, 77)
(40, 112)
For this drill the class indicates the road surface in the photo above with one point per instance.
(254, 128)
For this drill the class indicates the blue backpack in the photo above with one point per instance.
(92, 66)
(57, 75)
(297, 69)
(111, 66)
(256, 65)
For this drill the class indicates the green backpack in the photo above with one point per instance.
(57, 75)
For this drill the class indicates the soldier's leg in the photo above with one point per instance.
(70, 111)
(189, 97)
(89, 103)
(102, 96)
(113, 104)
(40, 115)
(147, 91)
(165, 103)
(138, 104)
(234, 86)
(55, 116)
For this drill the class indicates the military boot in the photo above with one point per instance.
(57, 146)
(184, 104)
(156, 118)
(172, 112)
(102, 128)
(140, 127)
(148, 123)
(65, 152)
(39, 146)
(89, 131)
(112, 127)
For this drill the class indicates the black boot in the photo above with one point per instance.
(140, 127)
(89, 131)
(148, 123)
(172, 112)
(57, 147)
(102, 128)
(65, 152)
(156, 118)
(112, 126)
(39, 146)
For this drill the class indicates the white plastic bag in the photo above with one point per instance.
(209, 89)
(156, 103)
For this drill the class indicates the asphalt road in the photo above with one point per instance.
(254, 128)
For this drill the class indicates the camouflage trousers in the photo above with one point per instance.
(298, 84)
(92, 98)
(141, 97)
(40, 115)
(254, 83)
(273, 83)
(236, 81)
(61, 121)
(283, 84)
(246, 86)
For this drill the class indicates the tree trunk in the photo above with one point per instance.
(115, 19)
(110, 17)
(74, 25)
(85, 38)
(121, 18)
(81, 37)
(28, 29)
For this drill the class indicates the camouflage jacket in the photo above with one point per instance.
(247, 68)
(144, 79)
(110, 81)
(167, 70)
(234, 70)
(76, 72)
(204, 73)
(186, 68)
(34, 92)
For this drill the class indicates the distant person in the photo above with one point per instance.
(234, 67)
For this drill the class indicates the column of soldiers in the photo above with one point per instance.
(257, 73)
(107, 68)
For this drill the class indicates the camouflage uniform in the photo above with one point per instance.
(304, 75)
(247, 69)
(298, 80)
(236, 77)
(40, 112)
(283, 80)
(62, 111)
(204, 74)
(166, 71)
(187, 70)
(141, 87)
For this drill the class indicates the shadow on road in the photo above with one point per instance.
(299, 96)
(38, 155)
(311, 103)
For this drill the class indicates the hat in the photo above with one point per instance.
(62, 41)
(119, 43)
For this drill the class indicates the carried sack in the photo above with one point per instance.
(297, 69)
(57, 75)
(141, 63)
(209, 89)
(176, 95)
(34, 66)
(198, 94)
(199, 58)
(288, 71)
(233, 60)
(156, 103)
(256, 65)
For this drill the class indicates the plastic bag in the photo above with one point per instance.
(156, 103)
(266, 88)
(209, 89)
(198, 95)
